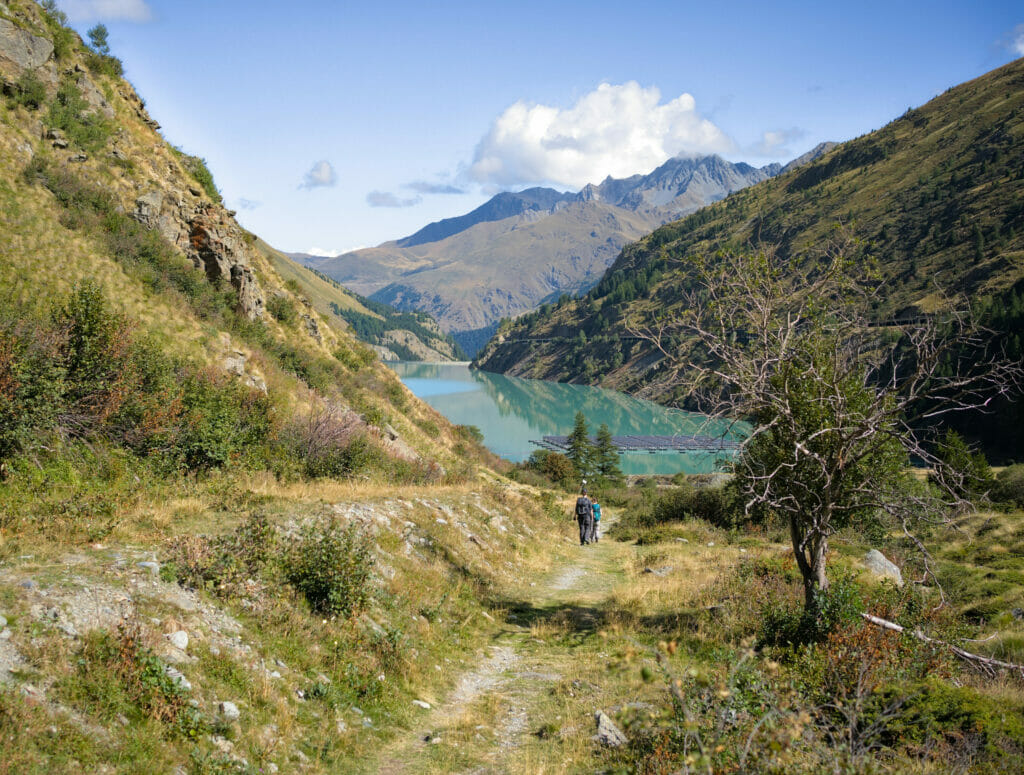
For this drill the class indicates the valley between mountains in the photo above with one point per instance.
(233, 542)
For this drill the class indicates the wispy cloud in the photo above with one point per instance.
(320, 175)
(127, 10)
(387, 199)
(425, 187)
(247, 204)
(775, 142)
(615, 130)
(1016, 42)
(322, 253)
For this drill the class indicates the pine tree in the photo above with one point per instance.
(580, 449)
(98, 36)
(606, 457)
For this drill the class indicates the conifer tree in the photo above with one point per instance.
(580, 448)
(606, 457)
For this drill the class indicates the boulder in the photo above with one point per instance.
(21, 48)
(607, 732)
(228, 711)
(878, 565)
(179, 639)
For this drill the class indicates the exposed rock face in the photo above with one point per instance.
(209, 237)
(312, 328)
(94, 97)
(21, 49)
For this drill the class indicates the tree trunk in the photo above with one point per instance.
(811, 562)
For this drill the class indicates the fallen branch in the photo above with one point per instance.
(986, 664)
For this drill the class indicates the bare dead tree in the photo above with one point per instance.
(836, 403)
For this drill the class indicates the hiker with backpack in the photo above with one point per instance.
(595, 533)
(585, 517)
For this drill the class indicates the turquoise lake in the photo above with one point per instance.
(510, 412)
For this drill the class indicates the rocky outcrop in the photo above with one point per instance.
(208, 235)
(21, 50)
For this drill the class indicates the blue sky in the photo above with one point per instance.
(334, 125)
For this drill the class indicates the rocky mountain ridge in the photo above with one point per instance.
(519, 250)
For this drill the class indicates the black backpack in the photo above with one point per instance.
(582, 506)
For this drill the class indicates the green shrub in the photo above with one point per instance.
(196, 167)
(104, 64)
(719, 506)
(222, 563)
(553, 466)
(222, 423)
(69, 112)
(330, 565)
(784, 624)
(1009, 485)
(282, 309)
(28, 92)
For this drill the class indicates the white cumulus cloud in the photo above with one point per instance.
(129, 10)
(320, 175)
(775, 142)
(616, 130)
(1017, 40)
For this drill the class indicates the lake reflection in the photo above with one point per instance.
(510, 412)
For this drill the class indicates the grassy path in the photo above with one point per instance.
(527, 704)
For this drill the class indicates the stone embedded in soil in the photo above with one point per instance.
(228, 711)
(421, 704)
(607, 732)
(880, 566)
(179, 639)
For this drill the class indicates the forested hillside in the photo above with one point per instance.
(936, 198)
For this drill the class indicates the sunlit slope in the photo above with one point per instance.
(936, 196)
(90, 190)
(416, 339)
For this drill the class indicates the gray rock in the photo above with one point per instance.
(228, 711)
(20, 47)
(3, 621)
(421, 704)
(1017, 613)
(150, 565)
(607, 732)
(5, 633)
(148, 207)
(78, 158)
(878, 565)
(664, 570)
(179, 639)
(176, 675)
(29, 584)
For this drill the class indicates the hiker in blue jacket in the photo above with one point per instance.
(595, 533)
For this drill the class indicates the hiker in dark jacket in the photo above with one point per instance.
(585, 517)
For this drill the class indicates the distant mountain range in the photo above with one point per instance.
(521, 249)
(936, 198)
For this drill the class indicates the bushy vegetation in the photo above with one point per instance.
(83, 375)
(330, 565)
(200, 172)
(70, 113)
(27, 92)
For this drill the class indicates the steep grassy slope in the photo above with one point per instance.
(936, 196)
(394, 335)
